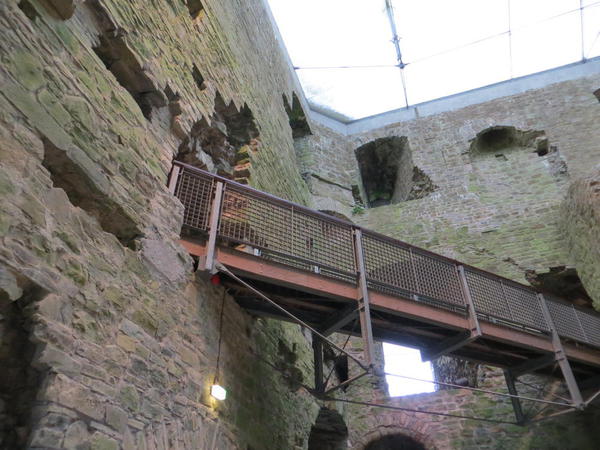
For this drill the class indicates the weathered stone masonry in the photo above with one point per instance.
(109, 340)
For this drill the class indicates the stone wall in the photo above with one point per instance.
(495, 210)
(497, 207)
(581, 225)
(108, 339)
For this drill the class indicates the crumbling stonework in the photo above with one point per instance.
(119, 348)
(581, 225)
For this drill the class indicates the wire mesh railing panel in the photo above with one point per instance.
(488, 295)
(388, 263)
(328, 244)
(286, 235)
(565, 320)
(252, 220)
(437, 278)
(525, 307)
(292, 235)
(195, 191)
(590, 322)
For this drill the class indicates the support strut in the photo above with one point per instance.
(363, 300)
(561, 358)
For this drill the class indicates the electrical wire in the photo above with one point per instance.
(420, 411)
(468, 388)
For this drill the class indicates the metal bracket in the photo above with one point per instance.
(561, 358)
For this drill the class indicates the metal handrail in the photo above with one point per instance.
(324, 247)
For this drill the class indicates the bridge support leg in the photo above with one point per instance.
(363, 300)
(561, 358)
(215, 212)
(317, 345)
(516, 403)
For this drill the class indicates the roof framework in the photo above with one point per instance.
(357, 58)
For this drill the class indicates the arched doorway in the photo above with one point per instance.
(329, 431)
(395, 442)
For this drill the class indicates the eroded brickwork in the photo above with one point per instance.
(118, 347)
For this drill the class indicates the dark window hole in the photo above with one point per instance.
(19, 379)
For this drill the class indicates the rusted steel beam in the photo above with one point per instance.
(515, 400)
(214, 227)
(561, 358)
(364, 312)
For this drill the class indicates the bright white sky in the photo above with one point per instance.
(406, 361)
(437, 41)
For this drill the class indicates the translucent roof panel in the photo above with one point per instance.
(345, 56)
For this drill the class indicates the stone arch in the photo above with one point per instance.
(329, 431)
(394, 437)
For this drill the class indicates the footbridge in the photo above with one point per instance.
(286, 261)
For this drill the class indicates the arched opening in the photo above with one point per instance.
(386, 170)
(388, 174)
(329, 431)
(395, 442)
(498, 141)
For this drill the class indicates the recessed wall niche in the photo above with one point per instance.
(388, 174)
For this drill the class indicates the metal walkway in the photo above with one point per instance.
(333, 275)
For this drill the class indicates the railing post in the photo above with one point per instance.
(173, 177)
(363, 299)
(474, 327)
(561, 357)
(215, 214)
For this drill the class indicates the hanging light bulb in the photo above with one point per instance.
(218, 391)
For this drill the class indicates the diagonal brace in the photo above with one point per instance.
(338, 320)
(448, 345)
